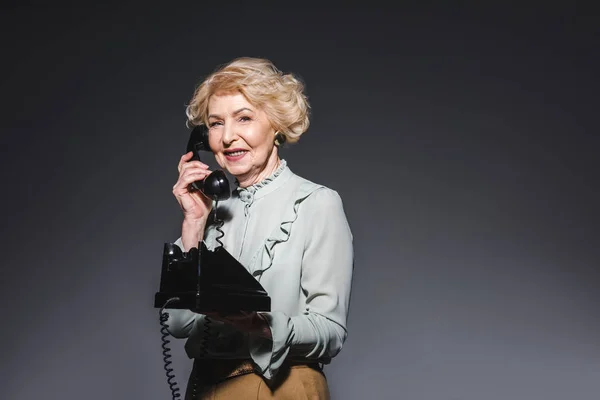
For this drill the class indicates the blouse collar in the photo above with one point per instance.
(266, 186)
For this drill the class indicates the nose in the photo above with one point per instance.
(229, 134)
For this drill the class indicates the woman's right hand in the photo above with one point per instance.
(194, 204)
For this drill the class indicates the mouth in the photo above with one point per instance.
(234, 154)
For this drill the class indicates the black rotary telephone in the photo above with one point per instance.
(204, 280)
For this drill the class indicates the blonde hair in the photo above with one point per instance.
(281, 96)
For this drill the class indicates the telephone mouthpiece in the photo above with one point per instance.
(216, 186)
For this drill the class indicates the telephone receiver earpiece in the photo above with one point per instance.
(215, 185)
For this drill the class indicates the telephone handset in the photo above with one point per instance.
(215, 185)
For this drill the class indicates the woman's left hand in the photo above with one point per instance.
(245, 321)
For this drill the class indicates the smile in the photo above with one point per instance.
(234, 155)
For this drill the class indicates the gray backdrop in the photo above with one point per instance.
(464, 143)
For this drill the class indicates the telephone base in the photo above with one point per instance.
(224, 303)
(208, 281)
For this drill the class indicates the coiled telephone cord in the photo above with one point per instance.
(219, 225)
(164, 330)
(164, 316)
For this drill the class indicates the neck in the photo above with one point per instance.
(267, 170)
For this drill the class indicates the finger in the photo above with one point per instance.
(191, 164)
(196, 174)
(183, 159)
(194, 169)
(181, 186)
(187, 158)
(190, 177)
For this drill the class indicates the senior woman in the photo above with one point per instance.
(291, 234)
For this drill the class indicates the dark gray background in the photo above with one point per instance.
(464, 143)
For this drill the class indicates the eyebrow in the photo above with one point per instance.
(234, 113)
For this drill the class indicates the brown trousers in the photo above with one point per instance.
(293, 382)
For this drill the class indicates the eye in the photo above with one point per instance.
(211, 124)
(245, 119)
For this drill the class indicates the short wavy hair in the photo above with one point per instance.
(281, 96)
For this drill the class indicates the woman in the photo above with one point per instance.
(291, 235)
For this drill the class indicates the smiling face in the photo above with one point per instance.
(241, 137)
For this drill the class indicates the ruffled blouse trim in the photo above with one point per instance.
(263, 260)
(253, 188)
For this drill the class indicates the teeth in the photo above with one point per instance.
(236, 153)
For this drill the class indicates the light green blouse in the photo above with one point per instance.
(292, 235)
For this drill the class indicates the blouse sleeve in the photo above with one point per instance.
(327, 266)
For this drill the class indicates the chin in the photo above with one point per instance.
(238, 170)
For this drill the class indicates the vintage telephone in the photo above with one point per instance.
(203, 280)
